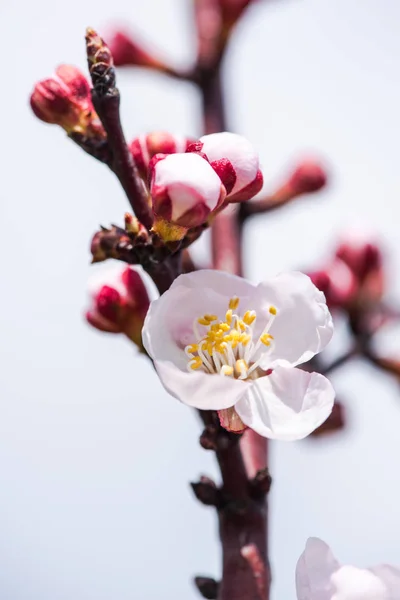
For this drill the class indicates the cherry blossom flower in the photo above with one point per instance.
(319, 576)
(235, 160)
(219, 342)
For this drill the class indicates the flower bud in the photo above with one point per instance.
(184, 190)
(338, 284)
(65, 99)
(307, 178)
(144, 147)
(364, 259)
(360, 255)
(127, 51)
(119, 302)
(235, 161)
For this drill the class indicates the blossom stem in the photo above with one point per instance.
(244, 517)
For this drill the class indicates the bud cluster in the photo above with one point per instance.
(191, 181)
(354, 279)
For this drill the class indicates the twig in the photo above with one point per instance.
(242, 517)
(106, 100)
(340, 360)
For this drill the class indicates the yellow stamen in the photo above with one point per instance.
(203, 321)
(234, 303)
(272, 310)
(196, 363)
(228, 316)
(245, 339)
(193, 348)
(211, 318)
(241, 366)
(226, 370)
(266, 339)
(249, 317)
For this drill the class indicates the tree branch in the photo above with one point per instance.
(106, 100)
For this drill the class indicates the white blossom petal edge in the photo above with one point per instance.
(319, 576)
(218, 341)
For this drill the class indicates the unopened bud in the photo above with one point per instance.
(308, 177)
(100, 62)
(119, 302)
(65, 99)
(364, 259)
(127, 51)
(235, 161)
(360, 255)
(185, 190)
(144, 147)
(338, 284)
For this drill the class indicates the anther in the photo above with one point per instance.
(249, 317)
(241, 368)
(234, 303)
(226, 370)
(196, 363)
(272, 310)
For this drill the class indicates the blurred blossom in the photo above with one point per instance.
(319, 576)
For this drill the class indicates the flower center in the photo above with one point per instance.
(229, 347)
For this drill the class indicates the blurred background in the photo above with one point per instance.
(95, 458)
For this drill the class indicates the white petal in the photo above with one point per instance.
(390, 576)
(222, 283)
(198, 389)
(168, 326)
(303, 325)
(352, 583)
(288, 404)
(238, 150)
(189, 179)
(314, 570)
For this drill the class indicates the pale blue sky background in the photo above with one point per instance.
(95, 458)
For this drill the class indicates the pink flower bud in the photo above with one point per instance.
(185, 190)
(119, 302)
(127, 51)
(144, 147)
(235, 161)
(338, 284)
(308, 177)
(360, 255)
(364, 259)
(65, 99)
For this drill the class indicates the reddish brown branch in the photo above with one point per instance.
(242, 517)
(106, 100)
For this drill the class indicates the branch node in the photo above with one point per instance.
(260, 485)
(207, 587)
(207, 492)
